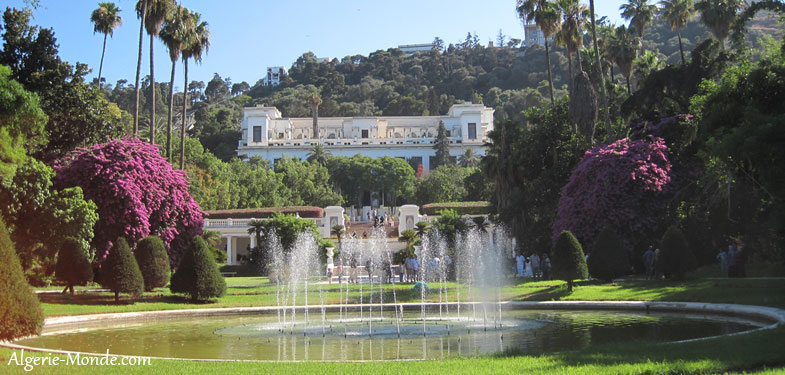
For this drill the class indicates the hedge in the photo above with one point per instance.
(265, 213)
(462, 208)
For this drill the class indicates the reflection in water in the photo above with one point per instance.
(257, 336)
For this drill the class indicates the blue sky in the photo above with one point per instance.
(249, 35)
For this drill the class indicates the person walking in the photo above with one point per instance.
(520, 262)
(546, 267)
(536, 266)
(648, 262)
(723, 258)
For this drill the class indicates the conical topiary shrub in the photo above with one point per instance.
(73, 267)
(153, 261)
(607, 259)
(198, 275)
(568, 260)
(120, 273)
(20, 311)
(676, 257)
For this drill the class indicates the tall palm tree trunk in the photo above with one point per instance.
(184, 123)
(101, 67)
(599, 66)
(578, 57)
(569, 66)
(548, 62)
(169, 120)
(681, 48)
(152, 92)
(629, 88)
(139, 69)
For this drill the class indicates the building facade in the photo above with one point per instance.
(274, 76)
(266, 133)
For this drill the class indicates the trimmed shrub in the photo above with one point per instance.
(153, 261)
(569, 262)
(607, 259)
(462, 208)
(120, 273)
(20, 311)
(198, 275)
(676, 257)
(73, 267)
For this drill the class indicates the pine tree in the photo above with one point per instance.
(569, 262)
(120, 273)
(442, 147)
(153, 261)
(20, 311)
(607, 259)
(198, 275)
(73, 267)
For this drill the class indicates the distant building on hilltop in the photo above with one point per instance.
(533, 35)
(266, 133)
(412, 48)
(274, 76)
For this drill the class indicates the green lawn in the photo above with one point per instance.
(759, 352)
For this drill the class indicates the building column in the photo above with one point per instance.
(230, 250)
(253, 240)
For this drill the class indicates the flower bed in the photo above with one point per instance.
(462, 208)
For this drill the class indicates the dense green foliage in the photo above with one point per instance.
(78, 113)
(198, 275)
(608, 259)
(676, 257)
(73, 267)
(21, 123)
(528, 165)
(40, 218)
(569, 263)
(119, 271)
(20, 311)
(393, 177)
(153, 261)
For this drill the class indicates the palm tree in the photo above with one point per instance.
(546, 16)
(105, 19)
(678, 13)
(422, 229)
(599, 66)
(469, 158)
(258, 228)
(570, 35)
(337, 231)
(318, 154)
(646, 64)
(718, 15)
(172, 34)
(623, 49)
(141, 15)
(640, 14)
(157, 12)
(410, 237)
(316, 100)
(195, 43)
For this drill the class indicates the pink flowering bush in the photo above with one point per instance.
(136, 190)
(621, 185)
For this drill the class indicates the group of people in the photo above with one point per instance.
(733, 261)
(533, 266)
(380, 220)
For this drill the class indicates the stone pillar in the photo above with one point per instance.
(253, 240)
(408, 215)
(333, 215)
(230, 252)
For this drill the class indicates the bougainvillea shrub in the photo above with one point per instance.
(137, 192)
(620, 184)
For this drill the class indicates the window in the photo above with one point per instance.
(280, 135)
(365, 133)
(472, 130)
(257, 133)
(449, 133)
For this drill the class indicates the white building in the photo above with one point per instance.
(266, 133)
(533, 35)
(412, 48)
(274, 76)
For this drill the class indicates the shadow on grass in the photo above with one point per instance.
(107, 299)
(753, 351)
